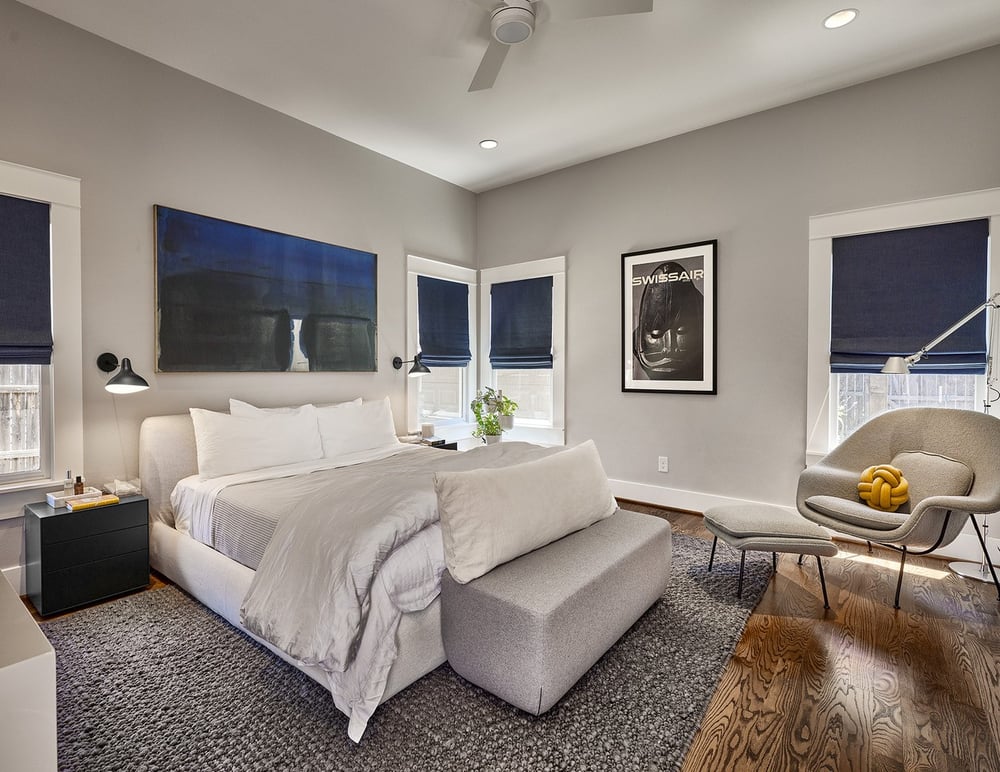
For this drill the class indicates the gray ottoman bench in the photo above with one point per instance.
(768, 529)
(528, 629)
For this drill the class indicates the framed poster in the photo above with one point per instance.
(235, 298)
(668, 319)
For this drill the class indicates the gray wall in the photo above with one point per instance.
(751, 183)
(138, 134)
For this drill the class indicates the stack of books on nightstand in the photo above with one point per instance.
(91, 497)
(88, 503)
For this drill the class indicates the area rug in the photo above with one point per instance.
(155, 681)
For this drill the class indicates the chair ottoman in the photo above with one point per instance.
(771, 529)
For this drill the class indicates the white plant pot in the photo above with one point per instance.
(492, 439)
(506, 422)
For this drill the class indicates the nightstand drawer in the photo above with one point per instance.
(97, 547)
(95, 581)
(66, 525)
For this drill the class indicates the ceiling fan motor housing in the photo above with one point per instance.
(513, 22)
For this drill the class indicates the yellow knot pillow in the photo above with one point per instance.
(883, 487)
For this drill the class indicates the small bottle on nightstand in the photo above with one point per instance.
(78, 485)
(68, 483)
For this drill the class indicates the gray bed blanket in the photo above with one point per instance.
(311, 592)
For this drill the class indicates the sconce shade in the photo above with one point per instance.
(418, 369)
(126, 381)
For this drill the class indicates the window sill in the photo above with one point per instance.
(549, 435)
(30, 485)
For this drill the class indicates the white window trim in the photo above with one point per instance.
(822, 230)
(556, 268)
(422, 266)
(62, 428)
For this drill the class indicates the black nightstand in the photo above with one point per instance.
(440, 444)
(75, 558)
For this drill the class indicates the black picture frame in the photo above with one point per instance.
(668, 319)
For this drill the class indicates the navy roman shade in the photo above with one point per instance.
(443, 322)
(521, 324)
(25, 295)
(895, 291)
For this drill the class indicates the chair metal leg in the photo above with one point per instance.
(800, 559)
(822, 581)
(869, 547)
(711, 558)
(986, 553)
(774, 561)
(899, 581)
(743, 560)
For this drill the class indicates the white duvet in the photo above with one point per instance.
(347, 560)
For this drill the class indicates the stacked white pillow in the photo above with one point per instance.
(238, 407)
(228, 444)
(249, 437)
(347, 429)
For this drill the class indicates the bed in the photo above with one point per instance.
(406, 642)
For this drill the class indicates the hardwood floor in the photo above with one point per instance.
(862, 686)
(156, 582)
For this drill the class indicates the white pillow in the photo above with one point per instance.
(228, 444)
(239, 407)
(490, 516)
(353, 428)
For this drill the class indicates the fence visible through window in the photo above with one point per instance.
(862, 396)
(20, 420)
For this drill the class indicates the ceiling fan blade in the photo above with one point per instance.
(562, 10)
(489, 67)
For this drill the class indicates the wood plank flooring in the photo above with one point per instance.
(862, 686)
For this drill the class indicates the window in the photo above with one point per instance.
(873, 320)
(523, 324)
(25, 333)
(435, 330)
(839, 402)
(20, 421)
(41, 427)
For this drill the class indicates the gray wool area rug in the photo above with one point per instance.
(156, 681)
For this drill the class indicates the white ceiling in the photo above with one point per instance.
(392, 75)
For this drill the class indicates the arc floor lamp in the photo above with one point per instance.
(901, 366)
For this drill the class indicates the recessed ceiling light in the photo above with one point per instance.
(488, 144)
(840, 18)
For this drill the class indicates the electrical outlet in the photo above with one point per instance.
(663, 464)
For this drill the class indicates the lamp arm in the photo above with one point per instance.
(991, 301)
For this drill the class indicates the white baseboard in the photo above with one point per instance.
(965, 547)
(675, 498)
(15, 575)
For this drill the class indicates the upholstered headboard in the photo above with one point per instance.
(167, 454)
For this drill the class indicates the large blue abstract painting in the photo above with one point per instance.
(234, 298)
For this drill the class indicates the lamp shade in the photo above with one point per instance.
(418, 369)
(896, 366)
(126, 381)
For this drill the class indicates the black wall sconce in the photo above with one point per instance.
(126, 381)
(418, 369)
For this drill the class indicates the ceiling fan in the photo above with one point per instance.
(513, 21)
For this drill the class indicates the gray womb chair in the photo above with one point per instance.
(951, 459)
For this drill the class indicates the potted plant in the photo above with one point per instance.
(506, 408)
(492, 409)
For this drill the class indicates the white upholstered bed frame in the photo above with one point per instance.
(167, 454)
